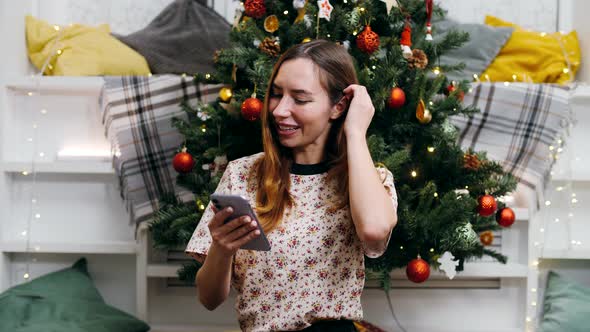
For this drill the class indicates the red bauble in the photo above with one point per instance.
(487, 205)
(251, 109)
(367, 41)
(460, 95)
(183, 162)
(418, 270)
(397, 98)
(255, 8)
(486, 238)
(505, 217)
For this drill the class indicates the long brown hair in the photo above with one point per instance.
(272, 171)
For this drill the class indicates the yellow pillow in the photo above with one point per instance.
(81, 51)
(538, 56)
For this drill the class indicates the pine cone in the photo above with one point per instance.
(470, 161)
(216, 56)
(270, 47)
(418, 59)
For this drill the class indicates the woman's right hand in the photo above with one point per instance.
(229, 237)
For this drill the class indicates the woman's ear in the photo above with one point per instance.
(339, 108)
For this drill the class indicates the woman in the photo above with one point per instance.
(317, 195)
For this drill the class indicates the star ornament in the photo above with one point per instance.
(390, 4)
(325, 9)
(448, 264)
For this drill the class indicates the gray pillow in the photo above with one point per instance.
(181, 39)
(484, 44)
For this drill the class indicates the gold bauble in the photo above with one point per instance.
(422, 113)
(305, 40)
(225, 94)
(271, 23)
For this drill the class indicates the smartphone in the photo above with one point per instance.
(242, 208)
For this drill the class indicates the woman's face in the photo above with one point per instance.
(300, 107)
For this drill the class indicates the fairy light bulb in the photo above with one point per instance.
(26, 276)
(414, 174)
(286, 12)
(436, 71)
(430, 149)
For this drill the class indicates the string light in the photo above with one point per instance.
(414, 174)
(401, 247)
(59, 52)
(286, 12)
(436, 70)
(430, 149)
(435, 194)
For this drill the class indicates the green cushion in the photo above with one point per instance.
(566, 306)
(73, 282)
(64, 301)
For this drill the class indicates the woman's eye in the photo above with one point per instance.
(301, 102)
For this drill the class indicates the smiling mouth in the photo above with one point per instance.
(287, 128)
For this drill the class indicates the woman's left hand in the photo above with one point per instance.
(360, 111)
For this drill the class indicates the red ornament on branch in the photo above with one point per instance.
(486, 238)
(487, 205)
(183, 162)
(397, 98)
(418, 270)
(451, 88)
(255, 8)
(406, 41)
(428, 4)
(367, 41)
(505, 217)
(251, 108)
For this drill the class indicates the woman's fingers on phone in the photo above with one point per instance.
(242, 230)
(251, 235)
(220, 217)
(235, 224)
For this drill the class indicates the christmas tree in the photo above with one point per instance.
(446, 195)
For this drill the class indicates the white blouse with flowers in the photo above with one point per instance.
(315, 269)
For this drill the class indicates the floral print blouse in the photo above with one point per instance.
(315, 269)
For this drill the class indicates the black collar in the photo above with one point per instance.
(310, 169)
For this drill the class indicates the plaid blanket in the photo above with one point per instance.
(137, 113)
(518, 124)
